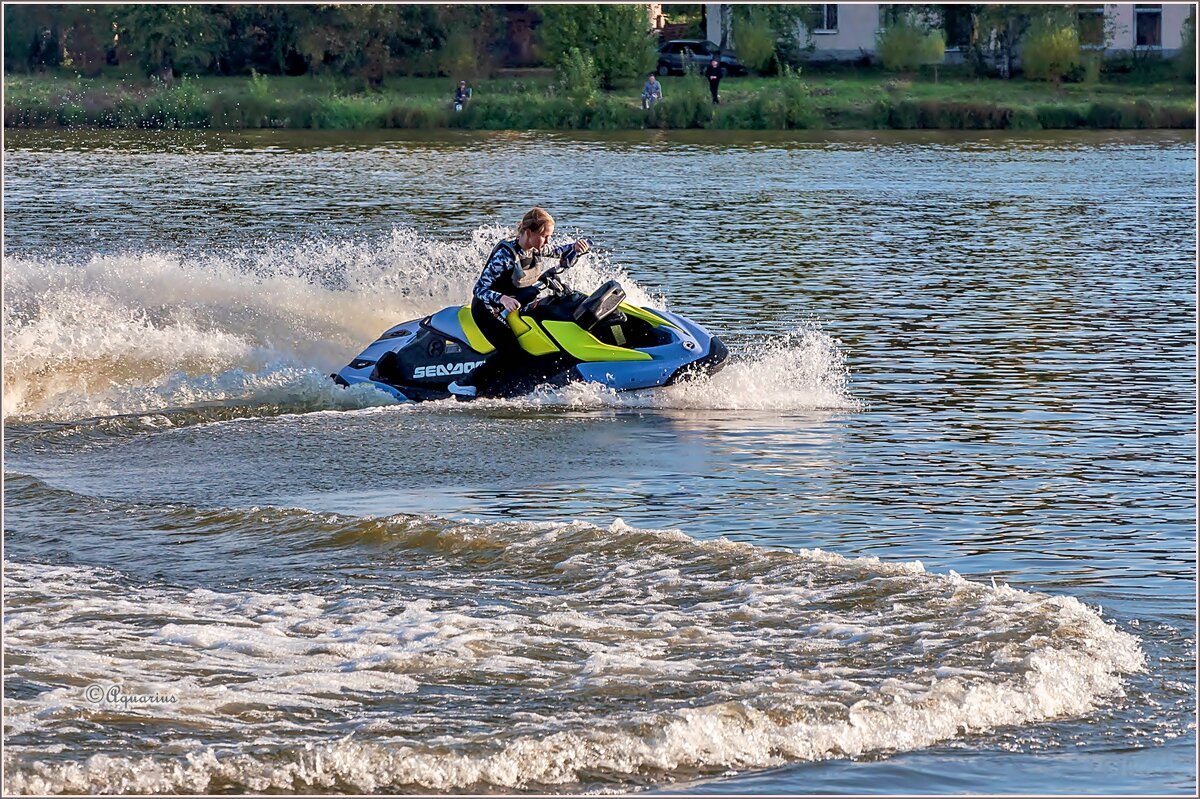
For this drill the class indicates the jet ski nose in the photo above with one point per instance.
(714, 362)
(710, 364)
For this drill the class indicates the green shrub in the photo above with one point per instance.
(614, 35)
(903, 115)
(259, 86)
(1112, 115)
(755, 42)
(689, 105)
(1186, 60)
(904, 46)
(794, 108)
(348, 113)
(1051, 52)
(70, 113)
(458, 55)
(1024, 119)
(1061, 117)
(507, 112)
(300, 112)
(1087, 71)
(417, 117)
(182, 106)
(945, 115)
(125, 113)
(1177, 116)
(615, 114)
(949, 115)
(577, 77)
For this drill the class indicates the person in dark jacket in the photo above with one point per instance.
(461, 95)
(512, 278)
(713, 73)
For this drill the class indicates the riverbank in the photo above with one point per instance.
(848, 101)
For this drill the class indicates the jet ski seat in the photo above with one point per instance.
(457, 323)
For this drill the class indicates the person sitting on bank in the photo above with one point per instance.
(510, 279)
(461, 95)
(651, 92)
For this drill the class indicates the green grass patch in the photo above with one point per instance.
(842, 99)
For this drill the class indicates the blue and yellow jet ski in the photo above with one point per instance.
(568, 337)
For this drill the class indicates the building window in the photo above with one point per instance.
(827, 21)
(1091, 26)
(1148, 24)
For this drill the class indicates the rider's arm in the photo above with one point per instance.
(568, 250)
(500, 262)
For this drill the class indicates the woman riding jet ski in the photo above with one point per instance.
(555, 339)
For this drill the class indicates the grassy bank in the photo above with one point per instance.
(832, 101)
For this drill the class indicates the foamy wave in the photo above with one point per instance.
(150, 331)
(781, 656)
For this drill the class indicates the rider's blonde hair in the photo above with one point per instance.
(535, 219)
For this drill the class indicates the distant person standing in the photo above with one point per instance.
(713, 73)
(651, 92)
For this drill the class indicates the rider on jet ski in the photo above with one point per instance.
(511, 279)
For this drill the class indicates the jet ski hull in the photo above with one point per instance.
(636, 348)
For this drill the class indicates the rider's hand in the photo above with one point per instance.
(582, 246)
(510, 303)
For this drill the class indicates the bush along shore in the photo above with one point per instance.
(855, 101)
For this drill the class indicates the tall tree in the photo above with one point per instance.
(1001, 30)
(616, 37)
(175, 39)
(780, 24)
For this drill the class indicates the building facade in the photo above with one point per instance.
(847, 31)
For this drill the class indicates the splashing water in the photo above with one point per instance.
(144, 332)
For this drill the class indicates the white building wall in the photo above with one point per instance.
(1120, 18)
(858, 25)
(856, 28)
(1174, 15)
(712, 16)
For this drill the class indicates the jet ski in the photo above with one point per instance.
(568, 336)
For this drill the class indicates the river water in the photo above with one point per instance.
(931, 531)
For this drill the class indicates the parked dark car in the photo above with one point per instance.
(675, 54)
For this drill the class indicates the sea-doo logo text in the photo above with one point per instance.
(443, 370)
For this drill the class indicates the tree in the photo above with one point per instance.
(45, 36)
(1187, 53)
(1051, 51)
(31, 37)
(755, 41)
(1003, 29)
(782, 23)
(908, 44)
(264, 38)
(614, 36)
(171, 39)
